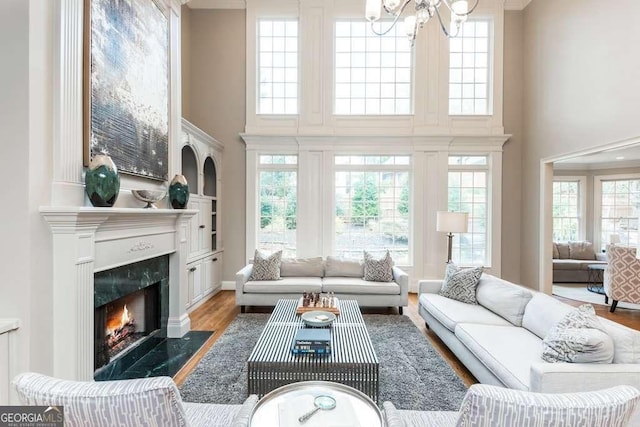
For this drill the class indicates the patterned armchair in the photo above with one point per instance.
(141, 402)
(489, 406)
(622, 276)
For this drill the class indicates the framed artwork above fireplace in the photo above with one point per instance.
(126, 85)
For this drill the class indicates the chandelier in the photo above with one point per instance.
(423, 11)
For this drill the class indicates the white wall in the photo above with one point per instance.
(581, 90)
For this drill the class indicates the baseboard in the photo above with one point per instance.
(228, 285)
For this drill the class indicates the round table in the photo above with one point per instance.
(283, 406)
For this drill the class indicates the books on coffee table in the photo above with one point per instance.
(312, 341)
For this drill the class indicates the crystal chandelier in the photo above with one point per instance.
(424, 10)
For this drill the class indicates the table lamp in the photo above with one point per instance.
(451, 222)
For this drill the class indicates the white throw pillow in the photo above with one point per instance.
(578, 338)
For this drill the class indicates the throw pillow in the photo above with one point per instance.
(460, 283)
(378, 270)
(581, 250)
(266, 267)
(579, 337)
(556, 252)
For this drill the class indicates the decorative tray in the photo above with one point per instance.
(335, 309)
(318, 319)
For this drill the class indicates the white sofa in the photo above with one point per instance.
(343, 277)
(500, 340)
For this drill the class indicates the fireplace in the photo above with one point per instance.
(130, 306)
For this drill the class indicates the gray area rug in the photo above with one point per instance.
(412, 374)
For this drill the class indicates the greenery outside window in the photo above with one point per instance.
(566, 211)
(619, 210)
(372, 206)
(468, 179)
(277, 183)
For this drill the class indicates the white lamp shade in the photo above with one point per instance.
(452, 222)
(614, 238)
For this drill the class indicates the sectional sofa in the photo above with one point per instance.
(500, 339)
(341, 276)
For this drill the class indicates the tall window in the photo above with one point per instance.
(372, 206)
(566, 211)
(468, 192)
(619, 211)
(372, 73)
(277, 67)
(278, 181)
(469, 86)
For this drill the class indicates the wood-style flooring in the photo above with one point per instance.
(219, 311)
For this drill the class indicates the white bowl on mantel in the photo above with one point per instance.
(149, 196)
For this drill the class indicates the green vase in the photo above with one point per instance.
(102, 182)
(179, 192)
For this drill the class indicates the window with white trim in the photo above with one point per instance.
(469, 69)
(468, 192)
(373, 74)
(277, 67)
(372, 206)
(566, 210)
(619, 210)
(278, 203)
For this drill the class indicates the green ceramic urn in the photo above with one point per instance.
(179, 192)
(102, 182)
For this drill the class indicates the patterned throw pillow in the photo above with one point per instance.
(460, 283)
(378, 270)
(266, 268)
(578, 337)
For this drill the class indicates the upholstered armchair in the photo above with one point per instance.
(622, 276)
(144, 402)
(489, 406)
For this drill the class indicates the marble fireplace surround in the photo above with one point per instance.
(86, 240)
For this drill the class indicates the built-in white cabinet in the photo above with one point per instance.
(201, 157)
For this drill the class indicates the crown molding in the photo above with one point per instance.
(515, 4)
(217, 4)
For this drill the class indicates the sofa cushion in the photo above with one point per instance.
(353, 285)
(343, 267)
(286, 285)
(542, 312)
(578, 338)
(301, 267)
(509, 357)
(266, 267)
(581, 250)
(450, 312)
(556, 253)
(460, 283)
(563, 250)
(571, 264)
(626, 341)
(378, 270)
(503, 298)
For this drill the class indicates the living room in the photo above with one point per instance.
(559, 85)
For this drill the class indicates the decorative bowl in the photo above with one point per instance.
(318, 319)
(149, 196)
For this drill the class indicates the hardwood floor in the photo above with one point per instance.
(219, 311)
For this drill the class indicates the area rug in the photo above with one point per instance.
(412, 374)
(579, 292)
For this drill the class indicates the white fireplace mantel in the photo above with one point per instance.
(86, 240)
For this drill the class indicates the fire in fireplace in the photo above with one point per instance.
(124, 322)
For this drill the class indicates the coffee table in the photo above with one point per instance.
(352, 361)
